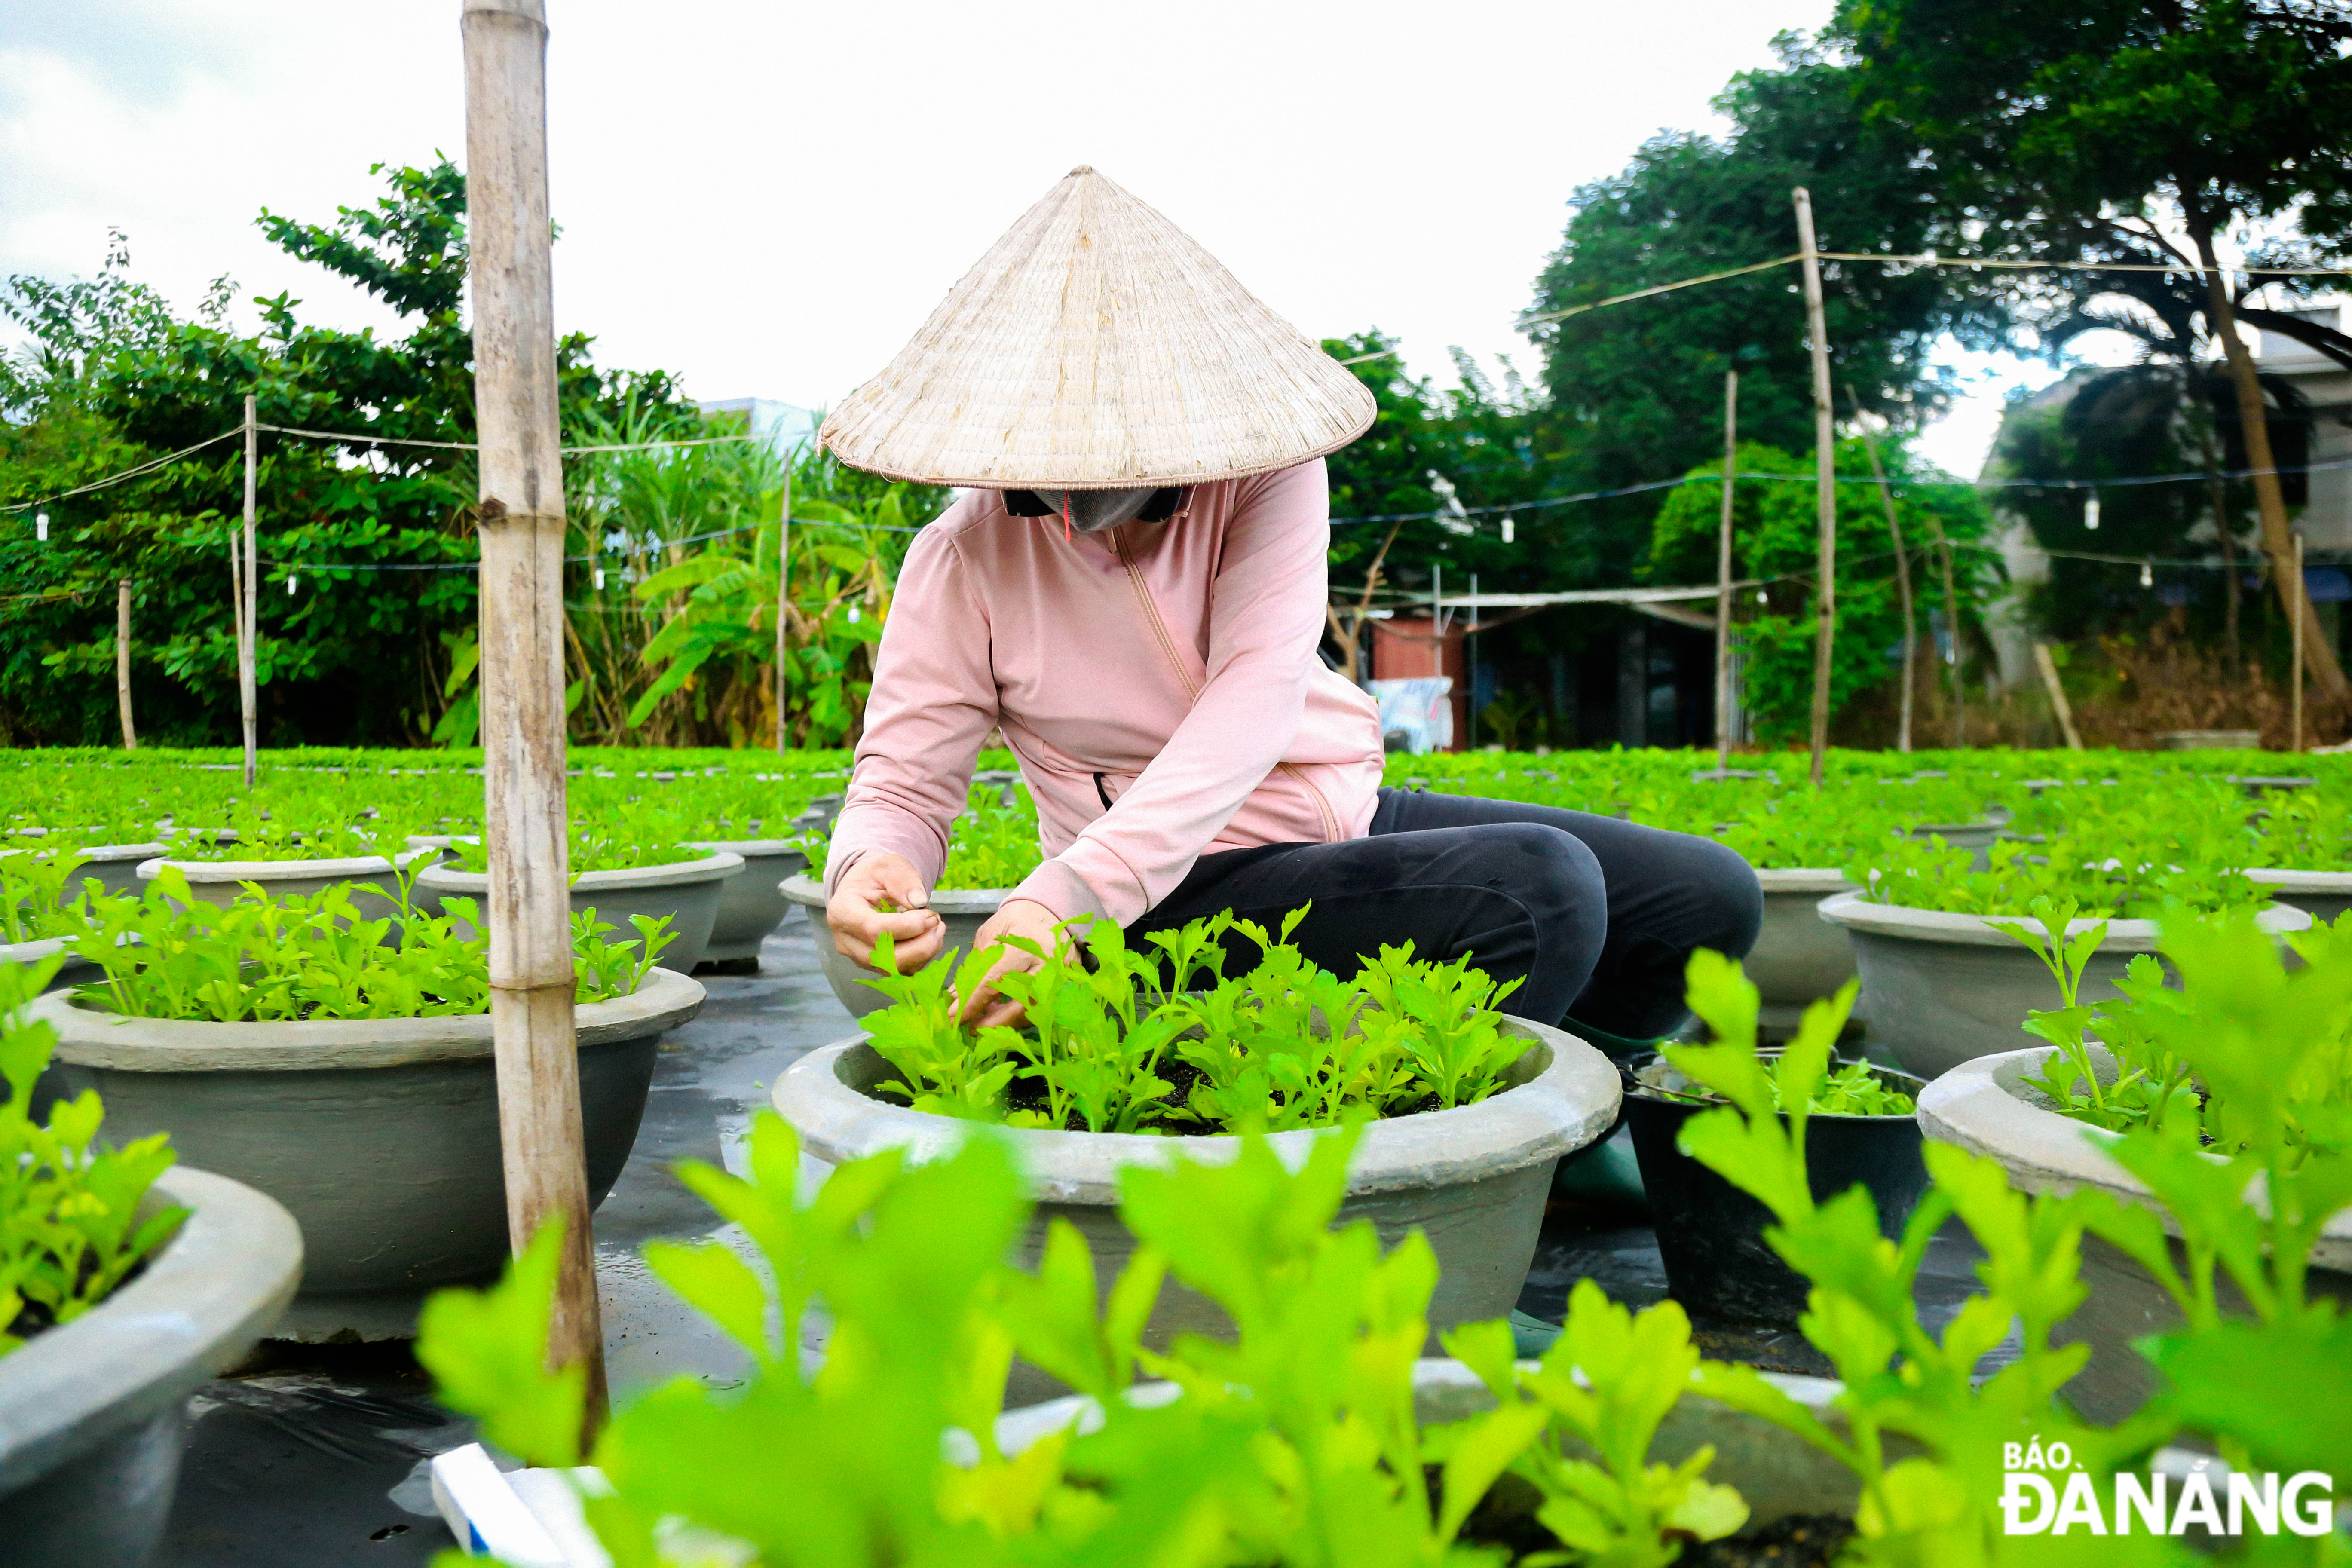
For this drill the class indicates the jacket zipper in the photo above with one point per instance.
(1193, 689)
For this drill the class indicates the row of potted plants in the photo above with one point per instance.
(1302, 1419)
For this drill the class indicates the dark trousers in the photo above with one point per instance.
(1596, 915)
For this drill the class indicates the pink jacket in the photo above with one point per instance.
(1174, 660)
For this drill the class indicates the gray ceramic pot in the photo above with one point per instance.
(91, 1414)
(114, 866)
(1986, 1106)
(1777, 1474)
(380, 1135)
(1943, 989)
(373, 879)
(965, 911)
(74, 971)
(753, 903)
(687, 892)
(1474, 1179)
(1798, 957)
(2321, 895)
(2209, 740)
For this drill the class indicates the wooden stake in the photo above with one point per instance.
(1825, 484)
(122, 663)
(1723, 715)
(249, 626)
(523, 532)
(2302, 598)
(2270, 498)
(783, 612)
(1902, 581)
(2058, 705)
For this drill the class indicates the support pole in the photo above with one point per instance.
(2270, 498)
(1902, 585)
(2301, 598)
(2058, 703)
(122, 663)
(1826, 483)
(783, 613)
(521, 518)
(1723, 714)
(249, 598)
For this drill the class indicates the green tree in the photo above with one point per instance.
(1636, 390)
(2139, 419)
(1773, 540)
(2067, 130)
(359, 625)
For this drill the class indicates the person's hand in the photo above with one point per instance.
(917, 933)
(1017, 917)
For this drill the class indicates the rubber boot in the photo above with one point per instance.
(1604, 1173)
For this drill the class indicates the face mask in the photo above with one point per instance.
(1091, 511)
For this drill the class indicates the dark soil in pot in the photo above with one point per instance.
(1711, 1234)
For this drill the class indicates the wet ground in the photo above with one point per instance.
(315, 1458)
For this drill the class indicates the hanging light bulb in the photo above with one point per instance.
(600, 579)
(2147, 574)
(290, 584)
(853, 615)
(41, 527)
(1508, 529)
(2091, 513)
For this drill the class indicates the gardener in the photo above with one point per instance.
(1132, 589)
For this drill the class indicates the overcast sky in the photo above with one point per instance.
(769, 199)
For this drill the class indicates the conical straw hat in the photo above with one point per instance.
(1095, 346)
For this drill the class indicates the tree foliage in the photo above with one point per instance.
(1637, 389)
(357, 649)
(1773, 540)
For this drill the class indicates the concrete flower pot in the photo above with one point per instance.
(75, 970)
(2209, 740)
(114, 866)
(687, 892)
(1798, 957)
(1475, 1179)
(1778, 1475)
(753, 903)
(1943, 989)
(965, 912)
(93, 1412)
(1986, 1106)
(2321, 895)
(380, 1135)
(373, 879)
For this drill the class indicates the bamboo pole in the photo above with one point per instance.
(2270, 498)
(2058, 703)
(783, 613)
(1826, 483)
(2301, 597)
(248, 620)
(1723, 715)
(122, 663)
(522, 532)
(1902, 585)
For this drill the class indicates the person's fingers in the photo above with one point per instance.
(985, 999)
(1002, 1011)
(895, 879)
(857, 926)
(913, 953)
